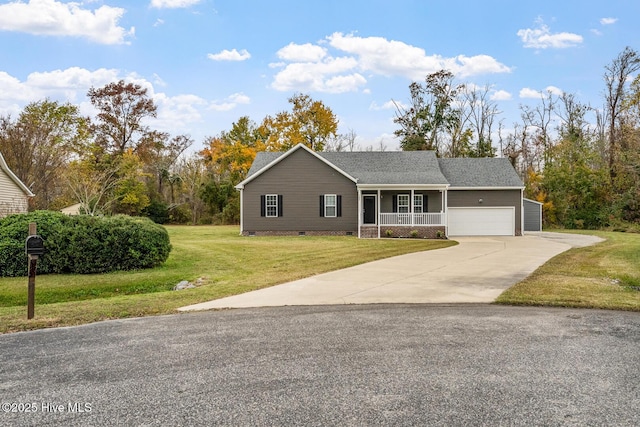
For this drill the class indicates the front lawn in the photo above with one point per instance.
(606, 275)
(229, 263)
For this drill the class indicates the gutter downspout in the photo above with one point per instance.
(241, 211)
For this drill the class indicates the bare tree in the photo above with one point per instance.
(616, 77)
(191, 171)
(480, 114)
(537, 120)
(93, 187)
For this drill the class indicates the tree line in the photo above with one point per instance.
(117, 162)
(581, 161)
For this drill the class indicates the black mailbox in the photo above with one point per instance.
(35, 245)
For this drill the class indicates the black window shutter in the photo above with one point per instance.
(322, 205)
(279, 204)
(339, 205)
(425, 203)
(395, 203)
(263, 205)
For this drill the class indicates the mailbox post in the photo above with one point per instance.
(34, 247)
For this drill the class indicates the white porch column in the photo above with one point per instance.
(359, 211)
(378, 212)
(411, 208)
(444, 208)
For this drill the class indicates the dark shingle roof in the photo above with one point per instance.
(412, 167)
(389, 167)
(480, 172)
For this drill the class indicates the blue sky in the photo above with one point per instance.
(208, 62)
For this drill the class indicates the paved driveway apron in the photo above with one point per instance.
(476, 270)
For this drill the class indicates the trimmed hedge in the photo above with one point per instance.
(83, 244)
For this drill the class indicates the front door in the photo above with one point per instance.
(369, 213)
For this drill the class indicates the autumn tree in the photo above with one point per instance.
(230, 154)
(122, 108)
(309, 122)
(428, 122)
(227, 158)
(38, 146)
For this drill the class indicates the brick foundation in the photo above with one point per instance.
(300, 233)
(369, 232)
(366, 232)
(415, 232)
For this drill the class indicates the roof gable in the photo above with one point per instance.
(4, 167)
(266, 160)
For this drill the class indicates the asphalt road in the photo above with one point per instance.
(330, 365)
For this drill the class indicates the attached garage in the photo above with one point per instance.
(481, 221)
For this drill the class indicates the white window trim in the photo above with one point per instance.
(334, 205)
(407, 206)
(274, 199)
(421, 204)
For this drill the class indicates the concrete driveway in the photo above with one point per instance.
(475, 271)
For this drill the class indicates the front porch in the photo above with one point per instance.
(418, 212)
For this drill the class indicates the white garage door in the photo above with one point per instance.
(482, 221)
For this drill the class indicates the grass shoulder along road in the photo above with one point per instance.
(605, 276)
(230, 265)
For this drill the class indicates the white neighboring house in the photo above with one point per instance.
(72, 210)
(14, 195)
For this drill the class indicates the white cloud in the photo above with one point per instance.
(608, 21)
(542, 38)
(302, 53)
(158, 80)
(54, 18)
(230, 55)
(389, 105)
(532, 93)
(230, 102)
(500, 95)
(173, 4)
(334, 75)
(390, 57)
(240, 98)
(554, 90)
(175, 113)
(596, 32)
(529, 93)
(312, 67)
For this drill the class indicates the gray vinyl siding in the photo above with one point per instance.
(532, 217)
(300, 178)
(470, 199)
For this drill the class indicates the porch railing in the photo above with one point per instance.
(412, 219)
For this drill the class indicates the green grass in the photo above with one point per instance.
(606, 275)
(231, 264)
